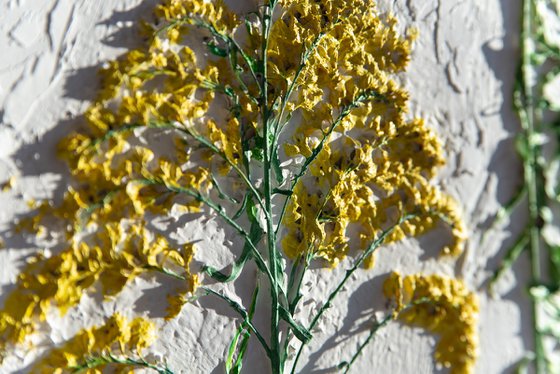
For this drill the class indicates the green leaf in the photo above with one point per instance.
(283, 192)
(251, 143)
(257, 154)
(248, 26)
(235, 269)
(217, 51)
(257, 149)
(296, 279)
(228, 90)
(299, 331)
(255, 235)
(252, 211)
(342, 365)
(242, 207)
(221, 193)
(256, 66)
(232, 348)
(247, 335)
(522, 145)
(276, 166)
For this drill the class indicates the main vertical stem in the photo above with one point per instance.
(275, 359)
(530, 170)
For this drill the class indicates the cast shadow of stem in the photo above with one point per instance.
(362, 305)
(509, 179)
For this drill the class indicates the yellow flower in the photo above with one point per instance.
(180, 297)
(117, 336)
(443, 306)
(374, 166)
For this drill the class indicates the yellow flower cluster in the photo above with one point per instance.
(113, 260)
(356, 50)
(375, 166)
(443, 306)
(117, 335)
(137, 150)
(177, 300)
(215, 12)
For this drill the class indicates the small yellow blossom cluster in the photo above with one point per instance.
(215, 12)
(355, 50)
(136, 153)
(60, 280)
(117, 335)
(177, 300)
(443, 306)
(375, 166)
(157, 92)
(131, 162)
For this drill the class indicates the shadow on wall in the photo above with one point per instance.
(510, 179)
(505, 73)
(39, 157)
(361, 306)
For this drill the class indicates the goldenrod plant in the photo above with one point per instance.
(286, 125)
(537, 105)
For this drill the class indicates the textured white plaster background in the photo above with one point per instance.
(460, 79)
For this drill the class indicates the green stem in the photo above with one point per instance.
(529, 122)
(376, 327)
(306, 55)
(344, 112)
(247, 316)
(187, 131)
(229, 40)
(294, 288)
(245, 342)
(297, 275)
(205, 142)
(166, 271)
(368, 252)
(275, 359)
(93, 362)
(244, 314)
(220, 211)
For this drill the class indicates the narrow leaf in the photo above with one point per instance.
(247, 335)
(255, 235)
(217, 51)
(221, 193)
(283, 192)
(232, 348)
(511, 255)
(276, 166)
(299, 331)
(242, 207)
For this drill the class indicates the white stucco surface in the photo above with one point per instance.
(460, 80)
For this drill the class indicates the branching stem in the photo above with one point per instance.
(368, 252)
